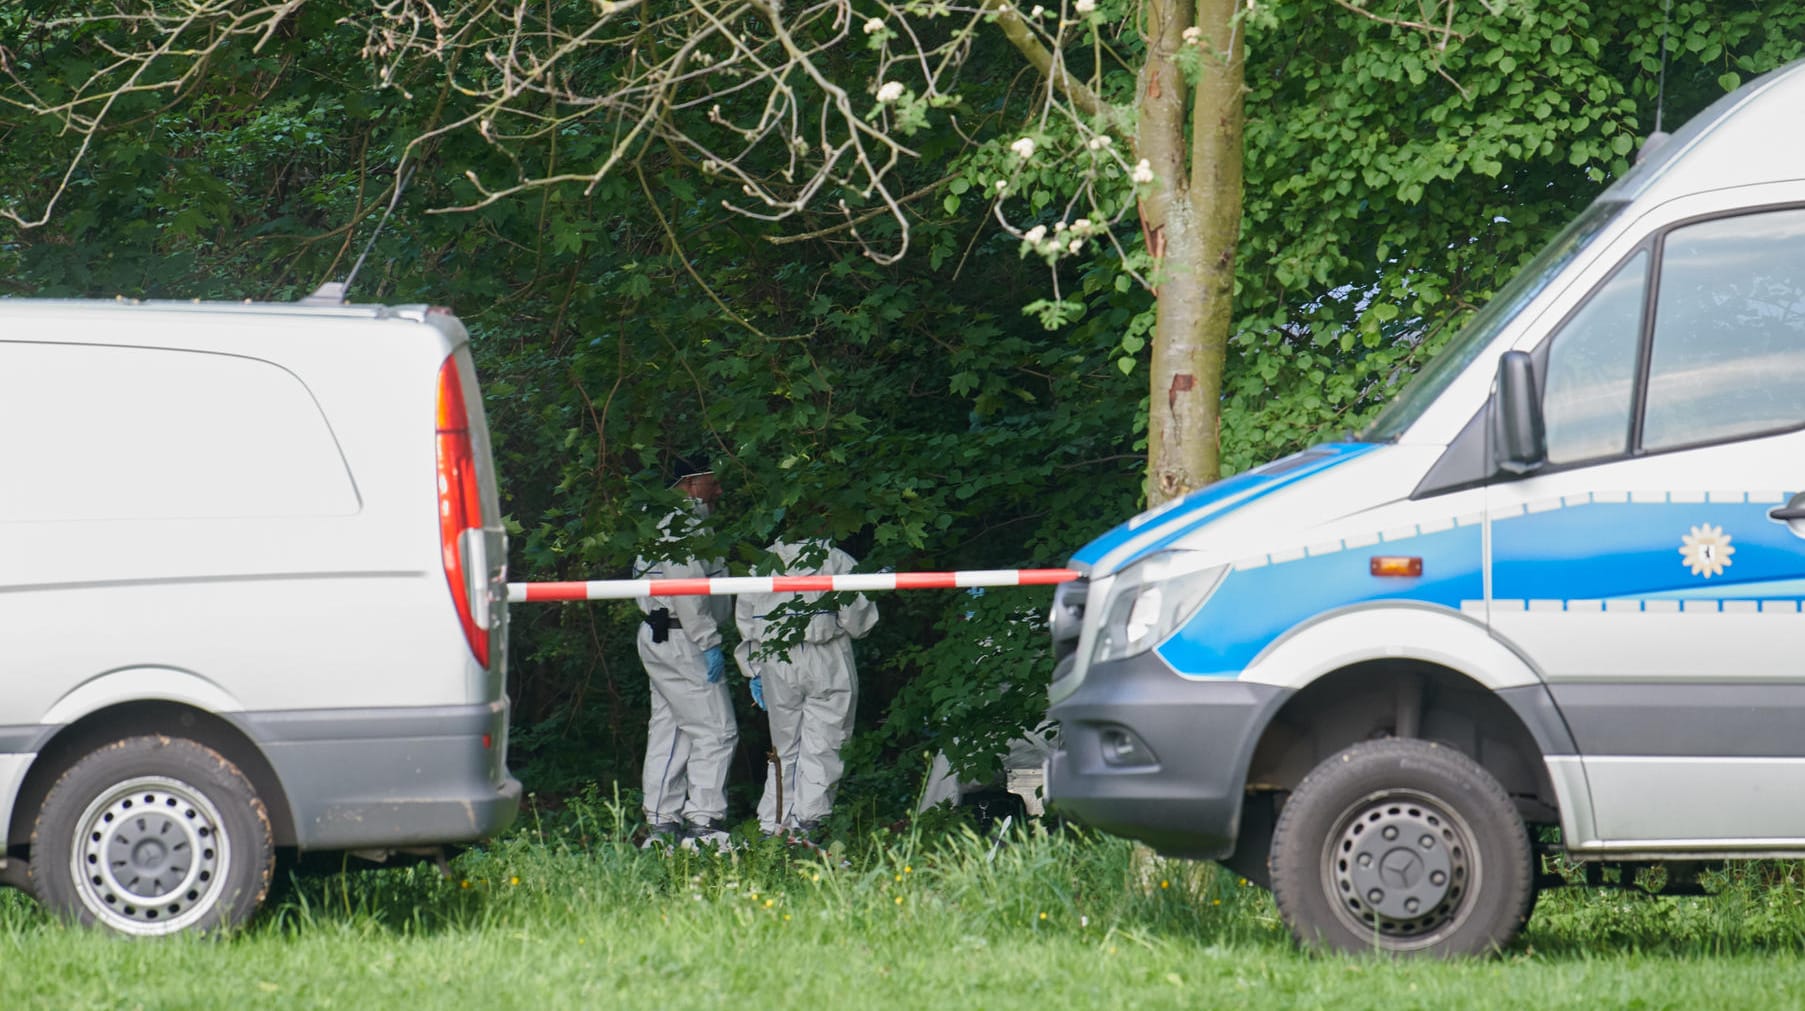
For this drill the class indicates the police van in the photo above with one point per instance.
(1556, 583)
(252, 597)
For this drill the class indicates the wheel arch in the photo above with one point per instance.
(1399, 670)
(140, 718)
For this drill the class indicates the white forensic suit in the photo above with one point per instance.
(692, 734)
(811, 697)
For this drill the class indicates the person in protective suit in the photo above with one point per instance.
(692, 733)
(811, 695)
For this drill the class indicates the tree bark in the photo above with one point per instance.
(1191, 214)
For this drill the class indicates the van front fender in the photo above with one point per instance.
(1446, 638)
(1392, 630)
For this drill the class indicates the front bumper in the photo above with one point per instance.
(1150, 755)
(385, 778)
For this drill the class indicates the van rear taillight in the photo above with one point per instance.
(461, 514)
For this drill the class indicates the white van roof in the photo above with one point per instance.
(38, 307)
(1754, 138)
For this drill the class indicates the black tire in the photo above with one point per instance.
(1402, 846)
(153, 835)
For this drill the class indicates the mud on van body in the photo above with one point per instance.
(1557, 584)
(251, 596)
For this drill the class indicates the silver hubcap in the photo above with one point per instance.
(1401, 866)
(149, 856)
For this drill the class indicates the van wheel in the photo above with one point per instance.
(1401, 846)
(153, 835)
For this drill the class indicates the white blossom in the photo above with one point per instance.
(1101, 141)
(874, 26)
(1082, 226)
(1192, 34)
(1024, 148)
(889, 92)
(1075, 245)
(1059, 226)
(1143, 172)
(1085, 6)
(1035, 234)
(1002, 184)
(1037, 11)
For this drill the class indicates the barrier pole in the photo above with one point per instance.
(862, 582)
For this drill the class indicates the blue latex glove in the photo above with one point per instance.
(717, 665)
(758, 693)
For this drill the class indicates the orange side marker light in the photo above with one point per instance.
(1397, 565)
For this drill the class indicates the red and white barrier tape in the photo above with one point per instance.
(626, 589)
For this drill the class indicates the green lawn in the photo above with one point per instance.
(551, 919)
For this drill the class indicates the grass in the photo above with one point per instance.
(565, 915)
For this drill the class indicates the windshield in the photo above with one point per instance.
(1466, 345)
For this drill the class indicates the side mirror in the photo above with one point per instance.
(1521, 442)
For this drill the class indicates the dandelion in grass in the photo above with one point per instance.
(1043, 916)
(771, 902)
(907, 869)
(1165, 884)
(464, 883)
(899, 900)
(514, 880)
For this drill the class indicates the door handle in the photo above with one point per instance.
(1787, 513)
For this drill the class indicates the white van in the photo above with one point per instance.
(1556, 584)
(251, 596)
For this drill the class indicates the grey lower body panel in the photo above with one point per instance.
(1712, 717)
(1679, 766)
(384, 778)
(1179, 786)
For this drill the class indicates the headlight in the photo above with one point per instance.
(1152, 600)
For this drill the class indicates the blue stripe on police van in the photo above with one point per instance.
(1257, 603)
(1152, 531)
(1569, 550)
(1627, 546)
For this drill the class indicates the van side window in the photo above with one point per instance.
(1728, 357)
(124, 433)
(1591, 369)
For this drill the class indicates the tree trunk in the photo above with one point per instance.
(1191, 214)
